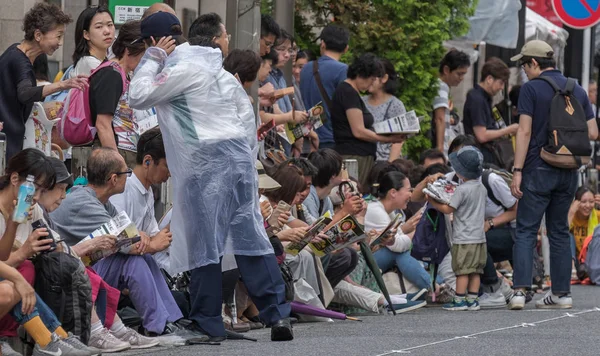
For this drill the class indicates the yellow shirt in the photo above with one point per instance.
(580, 230)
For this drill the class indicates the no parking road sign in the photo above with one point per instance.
(579, 14)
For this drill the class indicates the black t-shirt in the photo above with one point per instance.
(106, 88)
(15, 69)
(345, 98)
(478, 111)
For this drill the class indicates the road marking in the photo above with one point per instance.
(473, 336)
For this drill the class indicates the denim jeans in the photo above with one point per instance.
(500, 243)
(412, 270)
(41, 309)
(550, 191)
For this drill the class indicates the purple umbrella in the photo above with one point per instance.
(302, 308)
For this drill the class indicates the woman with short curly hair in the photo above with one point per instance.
(44, 27)
(351, 120)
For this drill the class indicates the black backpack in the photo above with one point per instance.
(568, 143)
(62, 282)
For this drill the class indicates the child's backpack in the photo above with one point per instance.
(76, 126)
(568, 143)
(62, 282)
(429, 241)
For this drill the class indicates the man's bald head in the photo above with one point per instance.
(156, 7)
(103, 163)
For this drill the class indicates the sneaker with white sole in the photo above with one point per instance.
(408, 306)
(136, 340)
(473, 305)
(517, 302)
(58, 347)
(457, 304)
(551, 301)
(507, 291)
(492, 300)
(76, 343)
(420, 295)
(107, 342)
(7, 350)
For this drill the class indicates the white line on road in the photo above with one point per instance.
(522, 325)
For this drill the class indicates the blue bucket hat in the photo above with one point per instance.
(467, 162)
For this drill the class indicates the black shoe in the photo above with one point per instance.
(282, 330)
(202, 337)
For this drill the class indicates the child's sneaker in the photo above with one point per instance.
(457, 305)
(551, 301)
(473, 305)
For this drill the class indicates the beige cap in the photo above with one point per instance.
(264, 181)
(535, 48)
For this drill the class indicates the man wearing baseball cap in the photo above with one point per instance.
(542, 188)
(160, 24)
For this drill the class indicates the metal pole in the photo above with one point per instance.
(284, 15)
(585, 67)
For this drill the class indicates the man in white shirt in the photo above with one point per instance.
(138, 199)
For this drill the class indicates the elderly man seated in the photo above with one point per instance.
(87, 208)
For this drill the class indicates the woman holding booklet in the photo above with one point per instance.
(351, 120)
(383, 104)
(393, 195)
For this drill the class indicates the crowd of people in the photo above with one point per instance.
(220, 261)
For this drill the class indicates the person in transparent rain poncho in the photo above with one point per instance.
(209, 131)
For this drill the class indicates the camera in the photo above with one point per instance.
(39, 224)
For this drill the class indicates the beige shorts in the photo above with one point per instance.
(469, 258)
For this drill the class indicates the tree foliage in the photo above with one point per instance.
(407, 32)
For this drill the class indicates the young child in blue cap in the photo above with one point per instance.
(467, 205)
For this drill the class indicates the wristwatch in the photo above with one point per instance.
(515, 169)
(491, 222)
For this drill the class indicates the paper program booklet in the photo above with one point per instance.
(346, 232)
(407, 123)
(295, 131)
(120, 226)
(294, 248)
(396, 221)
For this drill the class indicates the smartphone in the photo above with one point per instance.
(39, 224)
(273, 220)
(264, 128)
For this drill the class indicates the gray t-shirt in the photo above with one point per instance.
(80, 214)
(469, 201)
(391, 108)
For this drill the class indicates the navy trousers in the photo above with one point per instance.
(264, 283)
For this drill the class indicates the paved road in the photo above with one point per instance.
(433, 331)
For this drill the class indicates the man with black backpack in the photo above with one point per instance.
(556, 125)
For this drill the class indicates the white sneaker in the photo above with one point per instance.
(58, 347)
(106, 342)
(76, 343)
(7, 350)
(507, 291)
(492, 300)
(136, 340)
(551, 301)
(517, 302)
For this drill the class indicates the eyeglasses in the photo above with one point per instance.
(267, 43)
(228, 38)
(129, 171)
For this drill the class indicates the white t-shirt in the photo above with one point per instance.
(378, 219)
(85, 65)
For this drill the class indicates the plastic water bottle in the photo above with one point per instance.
(24, 200)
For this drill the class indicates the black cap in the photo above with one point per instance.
(62, 174)
(159, 25)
